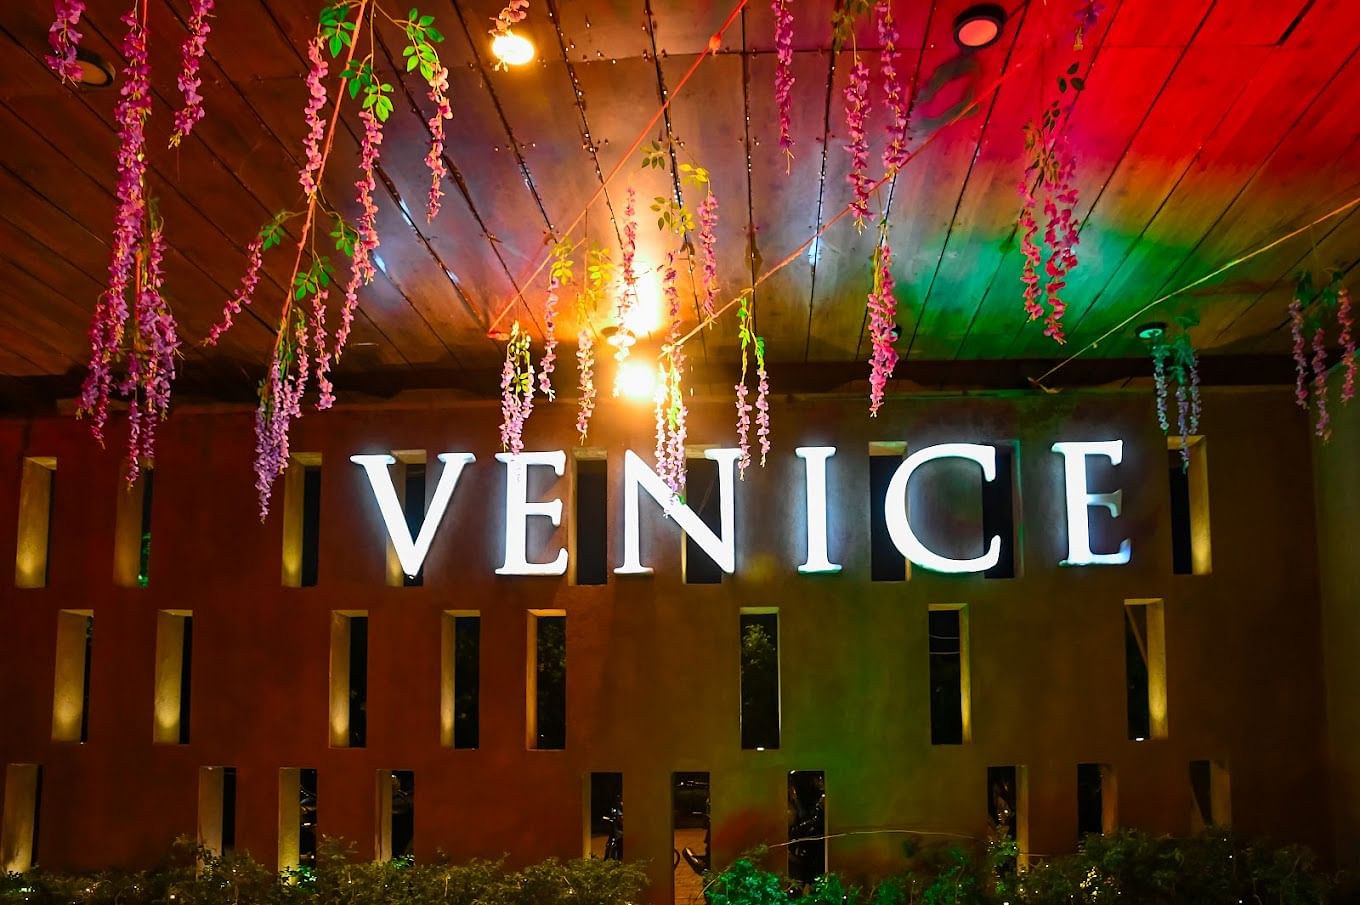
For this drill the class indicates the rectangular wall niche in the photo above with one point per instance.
(19, 831)
(951, 707)
(301, 520)
(807, 825)
(691, 835)
(701, 493)
(604, 816)
(546, 680)
(297, 818)
(1008, 809)
(217, 809)
(1097, 800)
(588, 533)
(1145, 668)
(71, 679)
(37, 489)
(460, 679)
(408, 479)
(1211, 795)
(349, 679)
(760, 702)
(396, 814)
(1191, 545)
(132, 532)
(886, 562)
(174, 671)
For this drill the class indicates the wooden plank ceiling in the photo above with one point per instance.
(1208, 129)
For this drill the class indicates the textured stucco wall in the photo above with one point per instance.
(652, 663)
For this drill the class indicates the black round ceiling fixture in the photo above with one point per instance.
(979, 26)
(95, 71)
(1151, 332)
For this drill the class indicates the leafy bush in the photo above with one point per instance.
(194, 876)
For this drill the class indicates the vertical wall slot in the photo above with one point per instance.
(886, 562)
(604, 818)
(37, 490)
(1211, 794)
(174, 674)
(1008, 810)
(1145, 668)
(546, 680)
(302, 520)
(760, 691)
(349, 679)
(132, 531)
(691, 835)
(297, 818)
(702, 494)
(217, 809)
(1191, 544)
(1097, 800)
(460, 686)
(71, 679)
(396, 814)
(408, 479)
(951, 710)
(807, 825)
(23, 805)
(588, 532)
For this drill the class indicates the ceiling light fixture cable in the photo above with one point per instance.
(714, 42)
(1241, 259)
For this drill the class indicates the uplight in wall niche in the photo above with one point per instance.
(35, 515)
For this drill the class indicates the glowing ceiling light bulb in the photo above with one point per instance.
(635, 380)
(512, 49)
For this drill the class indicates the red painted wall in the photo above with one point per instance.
(652, 663)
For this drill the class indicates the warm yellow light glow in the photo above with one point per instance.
(644, 316)
(512, 49)
(636, 380)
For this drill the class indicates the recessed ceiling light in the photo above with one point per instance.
(1152, 331)
(512, 49)
(95, 71)
(979, 26)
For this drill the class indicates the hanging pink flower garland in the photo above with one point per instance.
(629, 255)
(1300, 359)
(857, 106)
(749, 340)
(191, 56)
(107, 332)
(1347, 340)
(708, 248)
(1324, 419)
(1160, 352)
(64, 39)
(513, 13)
(517, 390)
(316, 127)
(558, 277)
(895, 153)
(439, 86)
(783, 73)
(1334, 294)
(882, 322)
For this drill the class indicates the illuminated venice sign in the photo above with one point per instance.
(720, 545)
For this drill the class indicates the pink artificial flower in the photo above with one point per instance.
(280, 404)
(1320, 383)
(783, 71)
(762, 408)
(151, 364)
(191, 56)
(244, 295)
(517, 391)
(882, 320)
(439, 86)
(513, 13)
(743, 429)
(316, 128)
(585, 367)
(1159, 355)
(895, 154)
(361, 271)
(708, 244)
(857, 106)
(1347, 340)
(627, 297)
(325, 388)
(64, 39)
(546, 365)
(1029, 226)
(111, 311)
(1300, 359)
